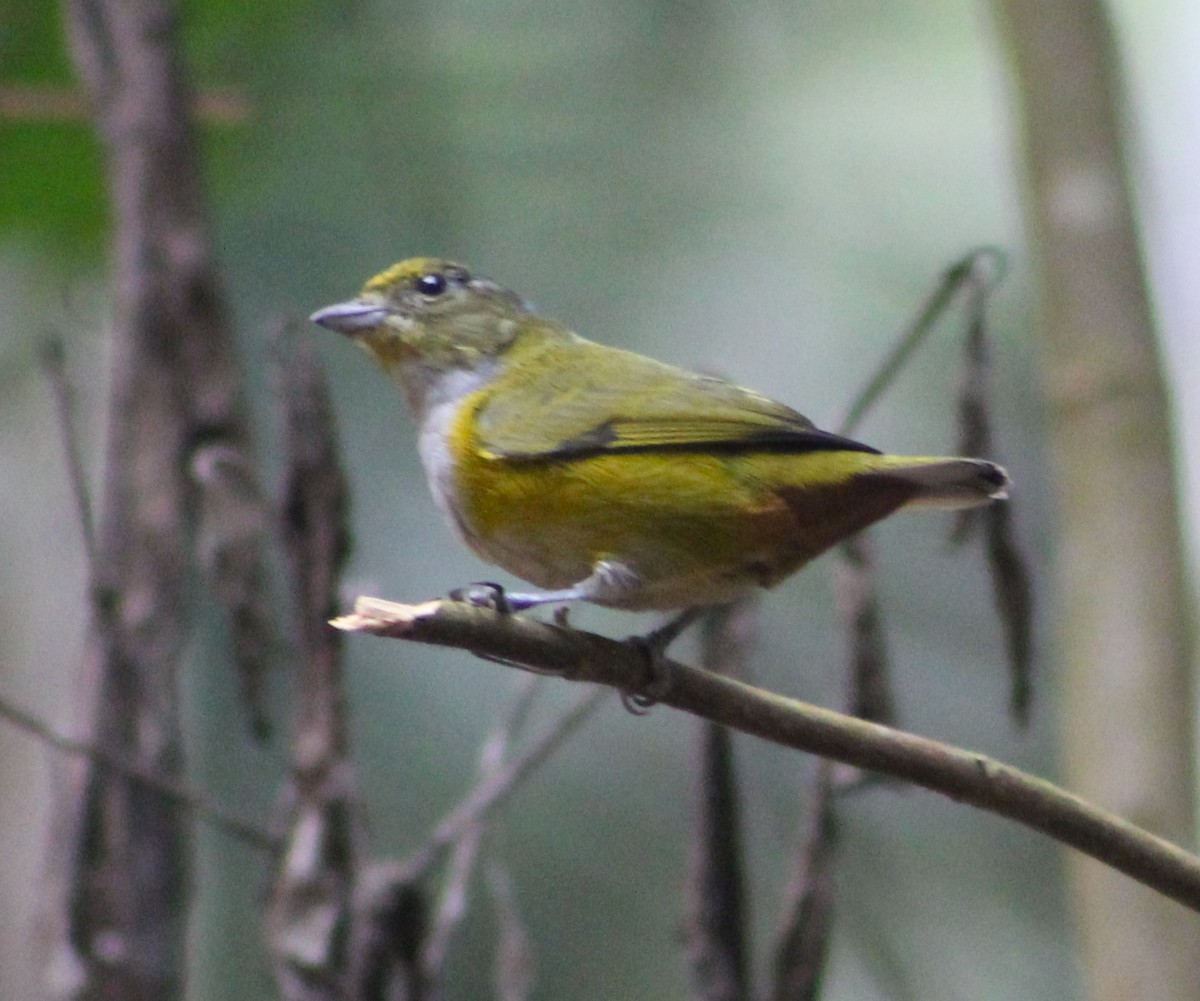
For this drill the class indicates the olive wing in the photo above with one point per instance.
(574, 399)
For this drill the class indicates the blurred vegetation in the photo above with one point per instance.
(764, 190)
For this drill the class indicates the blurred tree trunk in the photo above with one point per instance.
(119, 890)
(1123, 639)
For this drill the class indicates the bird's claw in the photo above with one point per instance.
(483, 594)
(658, 668)
(654, 647)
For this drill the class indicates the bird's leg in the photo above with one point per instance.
(663, 636)
(609, 583)
(486, 594)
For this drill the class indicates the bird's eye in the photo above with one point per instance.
(433, 283)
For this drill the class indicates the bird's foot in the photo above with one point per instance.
(484, 594)
(653, 646)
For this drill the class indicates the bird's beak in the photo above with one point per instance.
(350, 318)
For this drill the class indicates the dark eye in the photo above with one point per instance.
(433, 283)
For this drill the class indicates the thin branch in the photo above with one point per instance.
(310, 905)
(199, 804)
(1012, 582)
(514, 967)
(494, 788)
(859, 606)
(454, 901)
(389, 894)
(715, 897)
(54, 366)
(231, 543)
(802, 951)
(962, 775)
(48, 103)
(974, 267)
(390, 926)
(453, 904)
(977, 273)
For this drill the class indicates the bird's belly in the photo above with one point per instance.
(689, 530)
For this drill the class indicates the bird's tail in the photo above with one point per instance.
(947, 483)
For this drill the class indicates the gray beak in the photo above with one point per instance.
(351, 317)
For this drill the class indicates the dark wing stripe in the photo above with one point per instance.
(605, 441)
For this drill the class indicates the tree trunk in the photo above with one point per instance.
(1122, 651)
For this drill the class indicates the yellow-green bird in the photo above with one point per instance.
(601, 475)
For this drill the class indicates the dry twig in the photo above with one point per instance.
(715, 899)
(962, 775)
(309, 907)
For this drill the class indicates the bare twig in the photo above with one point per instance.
(513, 968)
(493, 789)
(231, 545)
(985, 265)
(715, 900)
(1013, 592)
(309, 909)
(803, 946)
(180, 794)
(390, 921)
(859, 607)
(1012, 583)
(453, 904)
(977, 273)
(47, 103)
(962, 775)
(380, 957)
(54, 367)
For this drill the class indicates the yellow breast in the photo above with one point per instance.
(695, 528)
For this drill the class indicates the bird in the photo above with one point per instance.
(601, 475)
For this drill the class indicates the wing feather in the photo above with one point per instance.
(591, 399)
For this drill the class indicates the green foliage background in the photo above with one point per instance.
(761, 189)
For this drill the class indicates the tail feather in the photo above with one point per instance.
(825, 513)
(950, 483)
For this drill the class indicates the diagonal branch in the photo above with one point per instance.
(455, 900)
(982, 268)
(494, 787)
(170, 789)
(962, 775)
